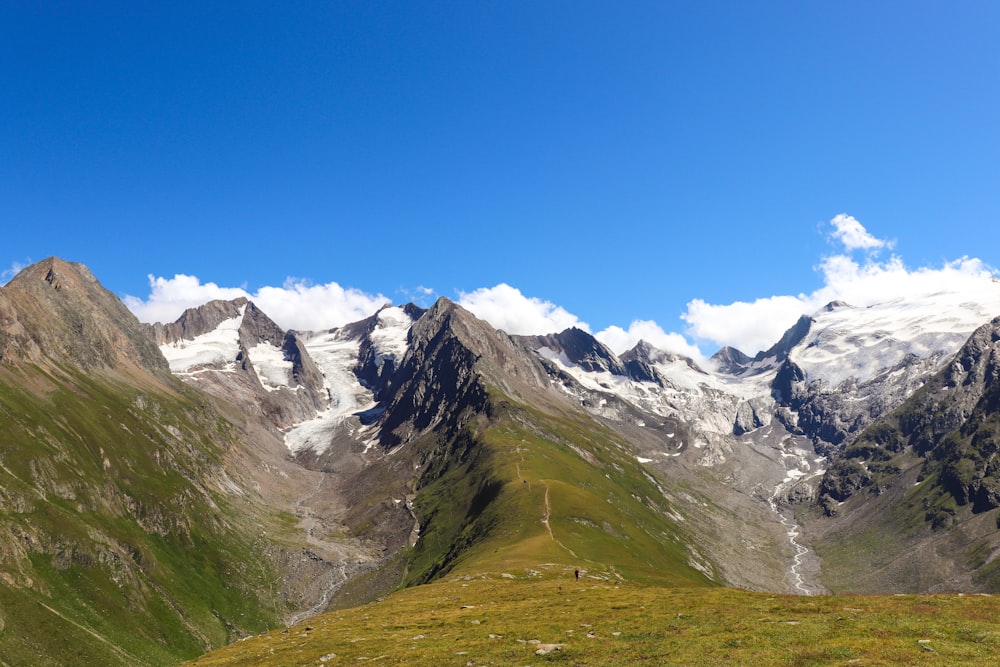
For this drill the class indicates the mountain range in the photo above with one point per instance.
(172, 487)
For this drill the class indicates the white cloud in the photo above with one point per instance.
(620, 340)
(303, 306)
(755, 326)
(877, 282)
(506, 308)
(853, 235)
(748, 327)
(15, 268)
(170, 297)
(296, 305)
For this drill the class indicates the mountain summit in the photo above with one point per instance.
(135, 510)
(58, 310)
(198, 480)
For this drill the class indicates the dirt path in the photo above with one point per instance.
(129, 659)
(548, 526)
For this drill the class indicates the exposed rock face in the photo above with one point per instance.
(435, 384)
(950, 422)
(579, 348)
(731, 361)
(639, 362)
(832, 416)
(196, 322)
(750, 416)
(234, 350)
(375, 367)
(305, 373)
(443, 378)
(56, 309)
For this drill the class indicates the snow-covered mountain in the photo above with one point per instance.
(416, 442)
(764, 429)
(353, 360)
(829, 376)
(233, 349)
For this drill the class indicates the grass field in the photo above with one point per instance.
(546, 616)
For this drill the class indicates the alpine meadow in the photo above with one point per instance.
(424, 488)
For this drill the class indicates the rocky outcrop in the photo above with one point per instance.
(579, 348)
(731, 361)
(375, 366)
(289, 394)
(436, 385)
(195, 322)
(750, 415)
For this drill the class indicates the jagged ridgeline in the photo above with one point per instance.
(122, 539)
(509, 474)
(168, 488)
(142, 519)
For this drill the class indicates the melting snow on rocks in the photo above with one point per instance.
(336, 358)
(218, 347)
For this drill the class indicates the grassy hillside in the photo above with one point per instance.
(516, 504)
(530, 488)
(547, 616)
(119, 542)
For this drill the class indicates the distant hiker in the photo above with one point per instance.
(577, 573)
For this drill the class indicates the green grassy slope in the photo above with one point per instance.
(533, 488)
(550, 618)
(116, 547)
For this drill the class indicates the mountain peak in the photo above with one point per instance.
(58, 310)
(58, 273)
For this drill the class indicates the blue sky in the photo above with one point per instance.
(679, 164)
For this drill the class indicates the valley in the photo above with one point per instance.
(221, 476)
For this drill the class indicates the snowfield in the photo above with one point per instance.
(219, 347)
(336, 358)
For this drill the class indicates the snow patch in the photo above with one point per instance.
(273, 370)
(218, 347)
(392, 328)
(850, 342)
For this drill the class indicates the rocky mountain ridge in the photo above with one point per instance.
(125, 537)
(418, 442)
(766, 427)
